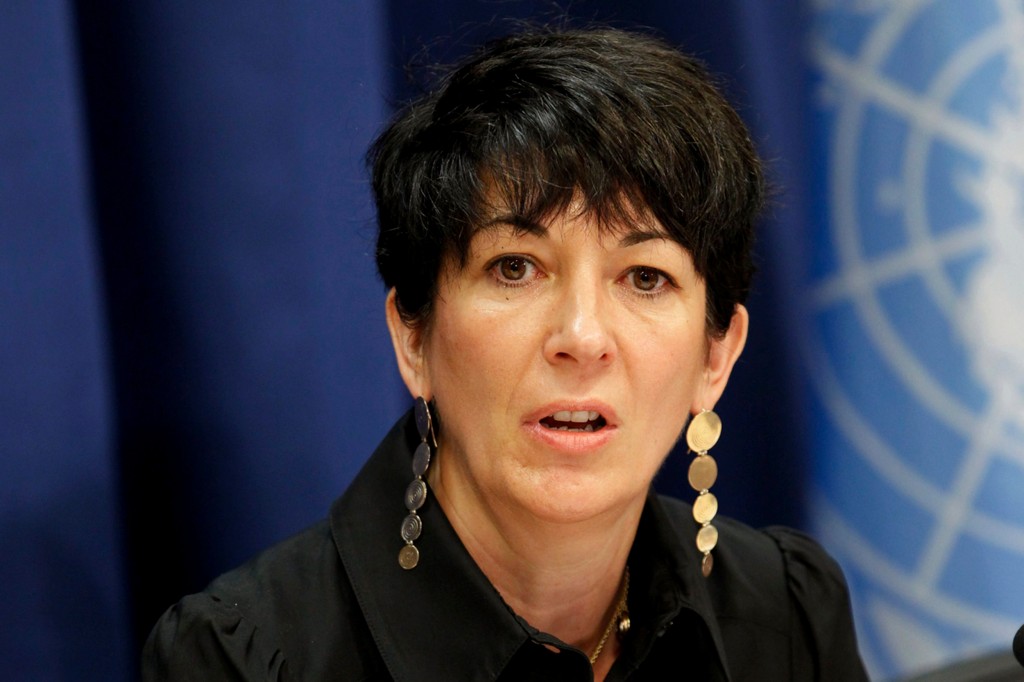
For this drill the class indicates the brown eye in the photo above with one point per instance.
(513, 268)
(646, 279)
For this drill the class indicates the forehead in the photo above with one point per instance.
(619, 223)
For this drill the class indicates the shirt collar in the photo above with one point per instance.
(440, 620)
(665, 550)
(443, 619)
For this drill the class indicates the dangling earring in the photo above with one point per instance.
(702, 434)
(416, 492)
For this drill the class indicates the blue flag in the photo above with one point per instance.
(915, 336)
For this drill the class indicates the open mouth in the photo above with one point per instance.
(582, 420)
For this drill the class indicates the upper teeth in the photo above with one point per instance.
(579, 417)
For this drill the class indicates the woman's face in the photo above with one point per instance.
(564, 361)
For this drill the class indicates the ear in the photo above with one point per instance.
(722, 356)
(408, 344)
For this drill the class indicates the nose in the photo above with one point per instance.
(580, 327)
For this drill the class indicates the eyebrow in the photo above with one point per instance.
(634, 237)
(520, 224)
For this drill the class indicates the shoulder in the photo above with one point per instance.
(284, 574)
(285, 614)
(749, 580)
(786, 567)
(202, 637)
(775, 564)
(776, 590)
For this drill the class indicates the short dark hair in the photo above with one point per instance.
(536, 120)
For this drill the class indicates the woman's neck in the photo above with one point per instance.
(563, 578)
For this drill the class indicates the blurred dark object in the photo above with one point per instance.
(1000, 666)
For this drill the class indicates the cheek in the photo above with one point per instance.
(474, 353)
(673, 369)
(675, 353)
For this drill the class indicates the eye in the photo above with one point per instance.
(513, 267)
(512, 270)
(648, 280)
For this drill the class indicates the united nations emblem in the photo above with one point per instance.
(915, 324)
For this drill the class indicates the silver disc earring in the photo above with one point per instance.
(416, 492)
(701, 435)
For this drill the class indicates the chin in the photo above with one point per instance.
(572, 501)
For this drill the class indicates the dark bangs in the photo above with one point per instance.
(619, 122)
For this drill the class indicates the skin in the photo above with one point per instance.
(546, 318)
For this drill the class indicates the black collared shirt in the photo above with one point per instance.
(332, 603)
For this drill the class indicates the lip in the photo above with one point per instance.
(576, 442)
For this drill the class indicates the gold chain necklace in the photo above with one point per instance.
(620, 618)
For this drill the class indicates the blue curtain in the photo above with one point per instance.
(193, 359)
(62, 576)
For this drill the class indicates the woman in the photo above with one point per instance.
(565, 230)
